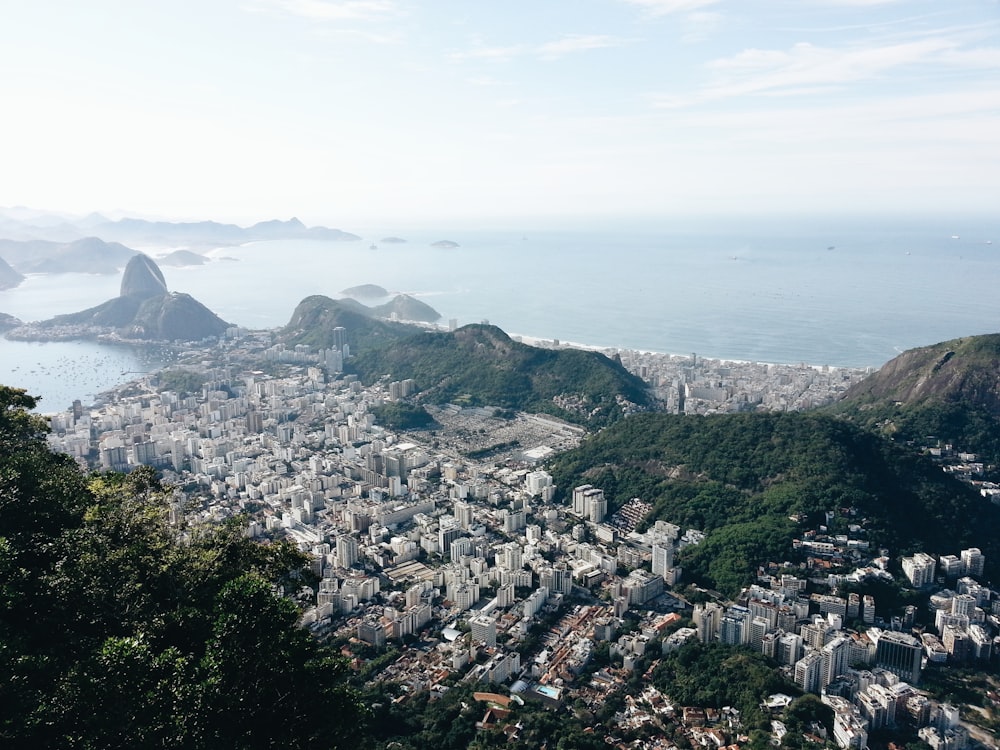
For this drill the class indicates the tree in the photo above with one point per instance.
(118, 629)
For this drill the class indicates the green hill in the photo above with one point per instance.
(475, 365)
(739, 477)
(315, 317)
(480, 365)
(949, 392)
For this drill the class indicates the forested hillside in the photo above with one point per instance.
(480, 364)
(120, 629)
(740, 477)
(948, 393)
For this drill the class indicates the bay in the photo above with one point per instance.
(850, 292)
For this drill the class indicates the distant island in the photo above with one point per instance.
(445, 243)
(392, 240)
(183, 258)
(365, 291)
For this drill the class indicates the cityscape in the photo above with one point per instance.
(450, 550)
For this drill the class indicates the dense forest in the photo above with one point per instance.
(121, 629)
(741, 477)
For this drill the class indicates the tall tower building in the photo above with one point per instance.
(707, 619)
(899, 653)
(339, 336)
(463, 514)
(347, 551)
(663, 558)
(598, 507)
(973, 562)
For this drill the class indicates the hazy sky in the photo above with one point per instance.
(341, 111)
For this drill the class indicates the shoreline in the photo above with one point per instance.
(544, 343)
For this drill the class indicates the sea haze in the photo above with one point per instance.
(850, 293)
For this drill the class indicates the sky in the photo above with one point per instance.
(347, 111)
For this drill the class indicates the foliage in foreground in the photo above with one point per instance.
(117, 629)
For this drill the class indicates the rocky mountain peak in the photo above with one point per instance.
(142, 278)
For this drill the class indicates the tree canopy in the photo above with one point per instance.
(119, 628)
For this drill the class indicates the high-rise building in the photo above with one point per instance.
(463, 514)
(509, 556)
(734, 628)
(809, 672)
(950, 566)
(598, 507)
(347, 551)
(484, 630)
(557, 578)
(536, 482)
(339, 338)
(973, 562)
(835, 658)
(898, 652)
(663, 558)
(919, 569)
(707, 618)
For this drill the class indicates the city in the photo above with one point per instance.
(443, 555)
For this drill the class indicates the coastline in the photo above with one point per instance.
(550, 343)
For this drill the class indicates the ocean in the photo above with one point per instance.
(840, 292)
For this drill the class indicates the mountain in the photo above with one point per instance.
(741, 478)
(480, 364)
(405, 307)
(183, 258)
(474, 365)
(175, 316)
(366, 291)
(212, 233)
(315, 317)
(948, 391)
(144, 310)
(9, 321)
(9, 278)
(142, 278)
(86, 255)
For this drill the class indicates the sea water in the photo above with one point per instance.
(850, 293)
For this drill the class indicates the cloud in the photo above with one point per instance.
(577, 43)
(857, 3)
(699, 25)
(666, 7)
(807, 68)
(567, 45)
(483, 52)
(334, 10)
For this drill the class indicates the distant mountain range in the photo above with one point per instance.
(25, 225)
(37, 242)
(86, 255)
(211, 233)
